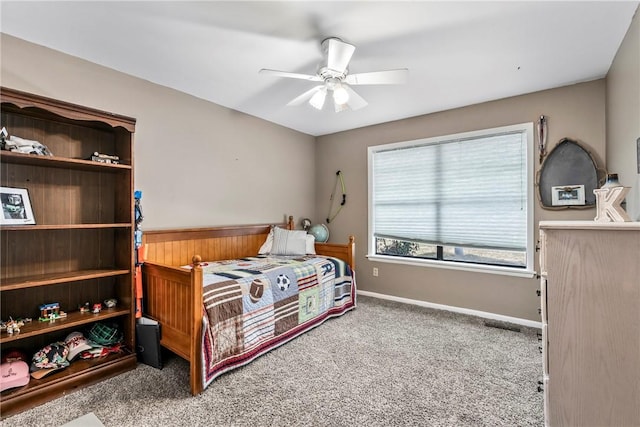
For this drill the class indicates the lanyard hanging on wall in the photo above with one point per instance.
(344, 197)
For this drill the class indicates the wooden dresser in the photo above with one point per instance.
(590, 306)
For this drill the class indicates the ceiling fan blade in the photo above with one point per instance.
(305, 96)
(339, 54)
(355, 101)
(313, 78)
(388, 77)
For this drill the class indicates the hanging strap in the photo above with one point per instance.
(344, 197)
(542, 137)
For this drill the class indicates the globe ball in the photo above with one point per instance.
(320, 232)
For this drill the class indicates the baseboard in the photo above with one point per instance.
(483, 314)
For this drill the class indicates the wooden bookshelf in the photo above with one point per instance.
(81, 247)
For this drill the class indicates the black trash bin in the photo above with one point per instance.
(148, 335)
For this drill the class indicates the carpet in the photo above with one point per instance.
(383, 364)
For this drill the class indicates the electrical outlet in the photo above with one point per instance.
(375, 271)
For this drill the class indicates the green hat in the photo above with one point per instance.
(104, 334)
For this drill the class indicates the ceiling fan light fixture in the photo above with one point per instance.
(333, 75)
(340, 95)
(317, 100)
(340, 107)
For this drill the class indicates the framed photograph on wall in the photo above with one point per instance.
(16, 206)
(564, 195)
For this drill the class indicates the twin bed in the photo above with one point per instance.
(221, 305)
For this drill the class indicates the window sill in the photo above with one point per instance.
(476, 268)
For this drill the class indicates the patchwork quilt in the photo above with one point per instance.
(255, 304)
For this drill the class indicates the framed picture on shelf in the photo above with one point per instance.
(567, 195)
(16, 206)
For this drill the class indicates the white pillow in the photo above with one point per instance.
(266, 246)
(311, 244)
(289, 242)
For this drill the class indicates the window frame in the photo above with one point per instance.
(528, 271)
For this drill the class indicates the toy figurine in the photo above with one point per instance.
(110, 303)
(96, 308)
(47, 309)
(12, 327)
(50, 312)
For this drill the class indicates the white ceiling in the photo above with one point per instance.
(457, 53)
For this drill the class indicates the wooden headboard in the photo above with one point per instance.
(177, 247)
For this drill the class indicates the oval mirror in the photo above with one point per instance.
(568, 177)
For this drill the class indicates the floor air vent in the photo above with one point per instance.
(502, 325)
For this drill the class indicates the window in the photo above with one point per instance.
(458, 201)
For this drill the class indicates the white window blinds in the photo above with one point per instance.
(468, 192)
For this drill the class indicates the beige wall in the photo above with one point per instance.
(577, 112)
(623, 115)
(197, 163)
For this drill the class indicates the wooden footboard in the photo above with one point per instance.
(173, 295)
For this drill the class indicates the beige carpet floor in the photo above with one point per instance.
(383, 364)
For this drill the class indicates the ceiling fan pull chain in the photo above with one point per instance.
(344, 197)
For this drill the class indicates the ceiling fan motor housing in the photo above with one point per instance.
(324, 71)
(327, 73)
(324, 44)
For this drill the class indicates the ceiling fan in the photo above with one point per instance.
(333, 73)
